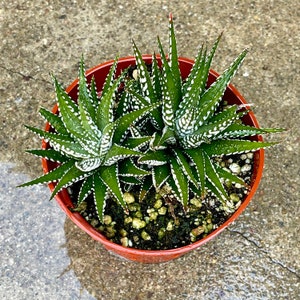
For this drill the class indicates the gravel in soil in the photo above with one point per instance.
(161, 223)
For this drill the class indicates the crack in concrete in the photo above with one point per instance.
(25, 77)
(274, 261)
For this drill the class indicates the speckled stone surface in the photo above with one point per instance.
(43, 255)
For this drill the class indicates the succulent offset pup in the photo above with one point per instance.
(152, 131)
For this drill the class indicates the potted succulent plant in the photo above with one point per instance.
(152, 155)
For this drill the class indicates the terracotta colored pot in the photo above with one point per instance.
(154, 256)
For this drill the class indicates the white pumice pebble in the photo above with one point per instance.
(235, 168)
(245, 168)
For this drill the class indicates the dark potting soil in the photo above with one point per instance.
(175, 228)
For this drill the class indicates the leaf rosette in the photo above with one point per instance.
(159, 131)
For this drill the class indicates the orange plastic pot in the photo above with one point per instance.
(154, 256)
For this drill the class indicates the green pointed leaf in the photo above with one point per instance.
(128, 168)
(156, 142)
(226, 147)
(213, 95)
(89, 164)
(215, 126)
(228, 175)
(144, 77)
(105, 108)
(181, 182)
(106, 139)
(100, 195)
(124, 104)
(69, 111)
(160, 174)
(135, 132)
(94, 95)
(197, 157)
(168, 136)
(136, 143)
(156, 78)
(72, 121)
(195, 72)
(193, 90)
(154, 158)
(138, 99)
(145, 188)
(196, 82)
(193, 141)
(49, 154)
(155, 114)
(117, 152)
(171, 93)
(214, 178)
(54, 120)
(185, 166)
(72, 176)
(85, 190)
(86, 105)
(173, 56)
(212, 188)
(205, 71)
(109, 80)
(240, 130)
(52, 176)
(124, 122)
(229, 112)
(61, 143)
(109, 175)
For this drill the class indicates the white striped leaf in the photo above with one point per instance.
(52, 176)
(173, 55)
(154, 158)
(61, 143)
(128, 168)
(146, 186)
(100, 195)
(227, 147)
(86, 105)
(197, 158)
(124, 122)
(144, 77)
(213, 177)
(106, 105)
(54, 120)
(228, 175)
(110, 177)
(136, 143)
(213, 95)
(85, 190)
(72, 176)
(117, 152)
(237, 130)
(49, 154)
(160, 174)
(181, 182)
(89, 164)
(185, 166)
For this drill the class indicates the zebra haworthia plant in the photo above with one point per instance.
(191, 128)
(88, 141)
(157, 132)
